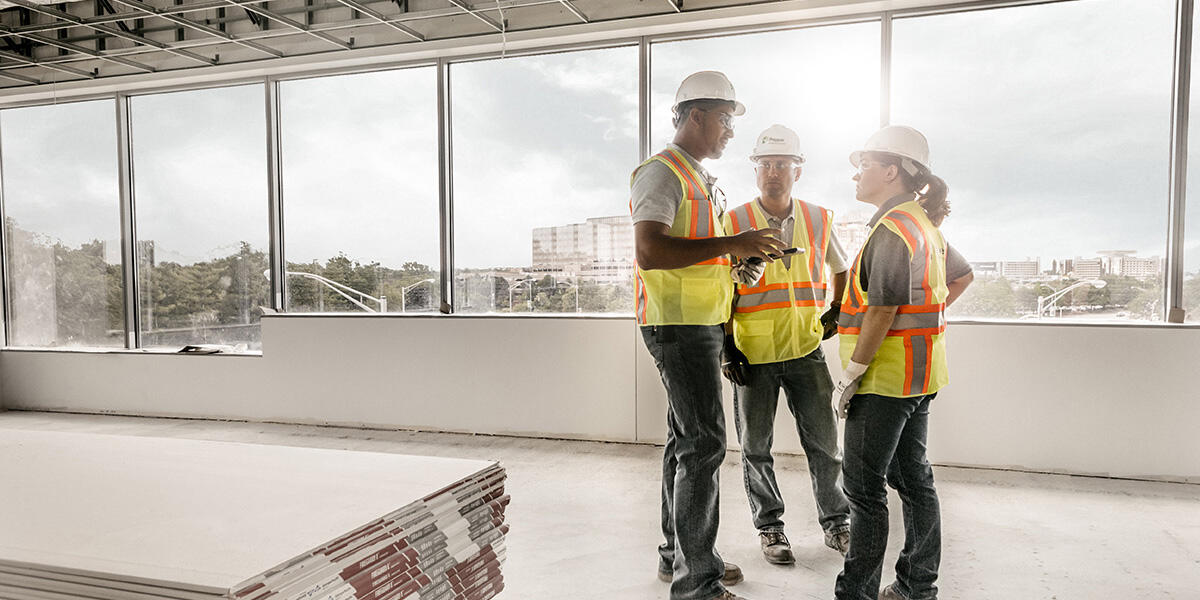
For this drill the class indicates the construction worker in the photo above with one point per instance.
(892, 337)
(774, 342)
(683, 296)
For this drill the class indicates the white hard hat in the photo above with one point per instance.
(707, 85)
(905, 142)
(777, 140)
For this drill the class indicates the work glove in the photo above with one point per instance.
(847, 386)
(747, 273)
(734, 365)
(830, 318)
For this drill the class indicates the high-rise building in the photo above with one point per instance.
(600, 248)
(1088, 268)
(1135, 266)
(1021, 269)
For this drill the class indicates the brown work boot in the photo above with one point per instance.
(838, 540)
(732, 575)
(775, 548)
(890, 593)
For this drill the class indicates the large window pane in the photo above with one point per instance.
(61, 197)
(199, 161)
(543, 148)
(821, 82)
(360, 190)
(1051, 124)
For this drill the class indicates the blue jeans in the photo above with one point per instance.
(885, 445)
(688, 358)
(808, 389)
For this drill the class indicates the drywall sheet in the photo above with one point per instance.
(180, 518)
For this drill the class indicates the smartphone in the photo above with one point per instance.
(755, 260)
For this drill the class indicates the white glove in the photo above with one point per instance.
(748, 274)
(847, 386)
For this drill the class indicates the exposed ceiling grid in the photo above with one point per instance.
(44, 42)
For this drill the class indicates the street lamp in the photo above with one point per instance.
(518, 283)
(340, 290)
(1046, 303)
(404, 292)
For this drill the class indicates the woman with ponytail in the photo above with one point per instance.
(892, 339)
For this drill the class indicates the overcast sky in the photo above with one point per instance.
(1050, 123)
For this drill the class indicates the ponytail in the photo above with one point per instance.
(931, 194)
(930, 189)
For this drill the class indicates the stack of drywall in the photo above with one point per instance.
(115, 517)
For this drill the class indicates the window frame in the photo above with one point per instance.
(444, 57)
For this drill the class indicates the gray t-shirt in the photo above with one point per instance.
(886, 268)
(835, 255)
(656, 192)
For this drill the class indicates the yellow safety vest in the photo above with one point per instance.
(701, 293)
(779, 318)
(912, 359)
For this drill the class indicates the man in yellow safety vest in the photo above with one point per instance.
(683, 295)
(893, 349)
(774, 342)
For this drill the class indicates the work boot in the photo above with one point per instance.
(890, 593)
(775, 547)
(838, 540)
(732, 575)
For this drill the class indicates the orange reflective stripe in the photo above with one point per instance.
(692, 185)
(921, 308)
(913, 244)
(812, 256)
(897, 332)
(908, 363)
(928, 364)
(753, 221)
(781, 286)
(785, 304)
(720, 260)
(733, 218)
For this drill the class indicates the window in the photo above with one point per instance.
(360, 192)
(1051, 125)
(543, 149)
(200, 192)
(821, 82)
(63, 225)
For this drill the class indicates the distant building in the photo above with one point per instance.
(1133, 266)
(1021, 269)
(852, 235)
(986, 267)
(600, 248)
(1088, 268)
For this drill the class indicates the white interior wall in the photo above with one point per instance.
(1078, 399)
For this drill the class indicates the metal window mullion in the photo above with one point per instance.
(445, 185)
(5, 312)
(1176, 227)
(644, 99)
(129, 249)
(275, 198)
(885, 70)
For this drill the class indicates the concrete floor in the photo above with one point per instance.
(584, 518)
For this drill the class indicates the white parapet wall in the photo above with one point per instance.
(1116, 401)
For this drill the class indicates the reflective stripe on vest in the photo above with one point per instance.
(701, 293)
(779, 317)
(912, 359)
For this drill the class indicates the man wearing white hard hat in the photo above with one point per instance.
(779, 319)
(893, 349)
(683, 298)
